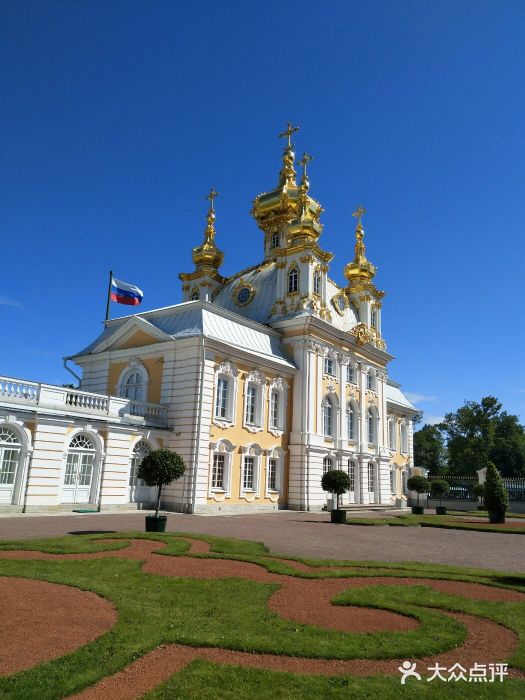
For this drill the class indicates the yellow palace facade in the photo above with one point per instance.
(261, 382)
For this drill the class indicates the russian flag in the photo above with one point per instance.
(124, 293)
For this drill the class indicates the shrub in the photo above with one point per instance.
(439, 488)
(419, 484)
(336, 481)
(161, 467)
(496, 495)
(479, 491)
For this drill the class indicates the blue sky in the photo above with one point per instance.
(116, 119)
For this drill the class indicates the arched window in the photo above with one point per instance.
(277, 412)
(404, 438)
(328, 417)
(392, 434)
(133, 384)
(225, 389)
(251, 469)
(371, 477)
(195, 296)
(373, 317)
(253, 400)
(140, 450)
(327, 464)
(275, 240)
(293, 279)
(351, 421)
(10, 447)
(80, 467)
(274, 471)
(220, 468)
(351, 475)
(371, 426)
(317, 282)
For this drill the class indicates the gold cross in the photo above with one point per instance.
(304, 162)
(211, 196)
(358, 213)
(288, 133)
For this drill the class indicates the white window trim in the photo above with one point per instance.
(280, 387)
(392, 444)
(330, 355)
(375, 426)
(333, 434)
(226, 448)
(352, 365)
(275, 453)
(24, 456)
(134, 367)
(255, 379)
(226, 370)
(98, 462)
(251, 451)
(353, 405)
(374, 475)
(403, 438)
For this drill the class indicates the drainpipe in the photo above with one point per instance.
(71, 371)
(199, 423)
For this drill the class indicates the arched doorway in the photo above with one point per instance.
(81, 470)
(10, 471)
(138, 491)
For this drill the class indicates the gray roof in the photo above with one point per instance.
(196, 318)
(395, 395)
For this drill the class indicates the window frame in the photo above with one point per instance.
(254, 384)
(251, 451)
(224, 448)
(226, 372)
(293, 279)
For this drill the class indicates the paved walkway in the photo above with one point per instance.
(303, 534)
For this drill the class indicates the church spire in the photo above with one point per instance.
(360, 271)
(208, 255)
(287, 174)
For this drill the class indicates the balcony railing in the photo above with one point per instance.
(73, 401)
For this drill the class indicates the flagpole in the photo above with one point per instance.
(109, 295)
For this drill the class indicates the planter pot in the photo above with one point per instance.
(441, 510)
(156, 523)
(338, 516)
(418, 510)
(496, 516)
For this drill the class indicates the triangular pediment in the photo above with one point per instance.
(134, 333)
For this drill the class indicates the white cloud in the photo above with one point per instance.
(433, 420)
(419, 398)
(4, 301)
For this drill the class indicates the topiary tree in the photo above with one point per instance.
(496, 495)
(479, 491)
(337, 482)
(419, 484)
(161, 467)
(439, 488)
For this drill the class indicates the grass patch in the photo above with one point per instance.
(233, 614)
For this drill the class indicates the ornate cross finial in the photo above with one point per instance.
(304, 162)
(211, 197)
(358, 213)
(288, 133)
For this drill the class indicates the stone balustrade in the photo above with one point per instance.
(48, 397)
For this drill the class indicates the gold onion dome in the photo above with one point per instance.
(360, 272)
(208, 255)
(288, 202)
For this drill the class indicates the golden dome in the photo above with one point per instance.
(208, 255)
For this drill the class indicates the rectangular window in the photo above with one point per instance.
(317, 283)
(86, 470)
(371, 478)
(392, 435)
(392, 481)
(327, 464)
(71, 469)
(221, 404)
(251, 403)
(274, 410)
(351, 424)
(350, 374)
(272, 474)
(248, 472)
(351, 475)
(8, 464)
(217, 475)
(328, 366)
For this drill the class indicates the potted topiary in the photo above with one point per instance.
(337, 482)
(158, 468)
(479, 491)
(438, 489)
(419, 484)
(496, 495)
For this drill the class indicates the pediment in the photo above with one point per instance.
(134, 333)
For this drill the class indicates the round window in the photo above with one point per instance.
(341, 304)
(243, 295)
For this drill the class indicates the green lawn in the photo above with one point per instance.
(233, 614)
(452, 521)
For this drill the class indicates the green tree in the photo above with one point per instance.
(479, 433)
(337, 482)
(429, 449)
(496, 495)
(161, 467)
